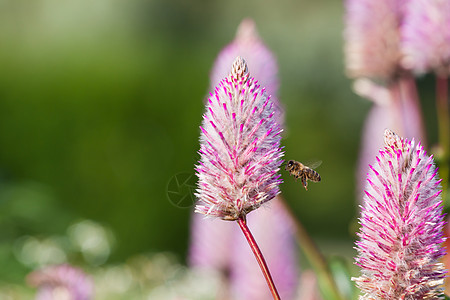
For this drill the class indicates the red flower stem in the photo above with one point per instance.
(259, 257)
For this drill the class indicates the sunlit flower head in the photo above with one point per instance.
(240, 152)
(401, 225)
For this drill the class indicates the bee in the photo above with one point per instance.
(303, 172)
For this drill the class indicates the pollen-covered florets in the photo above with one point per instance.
(401, 225)
(240, 152)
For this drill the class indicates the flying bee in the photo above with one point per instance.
(303, 172)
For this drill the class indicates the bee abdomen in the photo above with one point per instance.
(312, 175)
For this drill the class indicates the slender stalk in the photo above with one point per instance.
(312, 253)
(442, 108)
(259, 257)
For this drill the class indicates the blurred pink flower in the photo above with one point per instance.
(426, 36)
(401, 225)
(259, 58)
(240, 153)
(372, 37)
(204, 251)
(61, 282)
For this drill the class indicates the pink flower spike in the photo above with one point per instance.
(401, 226)
(250, 138)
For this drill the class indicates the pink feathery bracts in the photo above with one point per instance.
(401, 225)
(240, 153)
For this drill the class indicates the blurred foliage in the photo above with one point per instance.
(100, 103)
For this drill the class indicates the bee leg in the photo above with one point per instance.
(305, 183)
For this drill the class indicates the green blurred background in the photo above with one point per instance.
(100, 103)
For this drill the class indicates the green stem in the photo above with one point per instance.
(259, 257)
(442, 109)
(318, 262)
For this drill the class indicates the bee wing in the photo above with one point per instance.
(315, 164)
